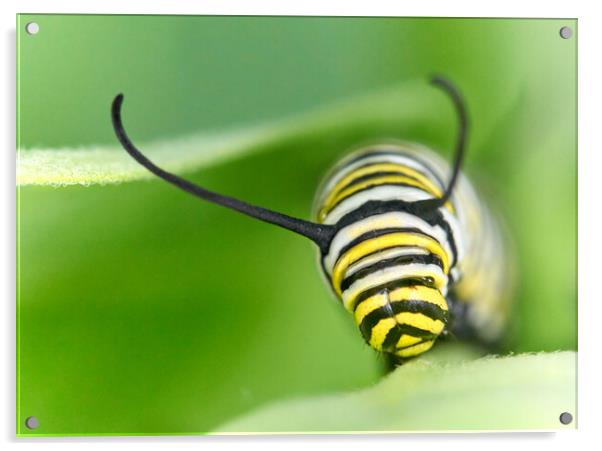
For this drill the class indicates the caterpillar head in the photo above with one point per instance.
(403, 321)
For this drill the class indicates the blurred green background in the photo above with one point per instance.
(141, 310)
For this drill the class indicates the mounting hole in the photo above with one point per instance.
(32, 28)
(566, 418)
(566, 32)
(32, 423)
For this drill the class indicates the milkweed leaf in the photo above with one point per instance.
(407, 110)
(527, 391)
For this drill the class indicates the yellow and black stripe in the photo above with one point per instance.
(393, 267)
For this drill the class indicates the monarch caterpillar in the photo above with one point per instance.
(409, 256)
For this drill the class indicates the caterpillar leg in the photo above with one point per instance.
(391, 361)
(462, 328)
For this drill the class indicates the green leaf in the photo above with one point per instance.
(441, 391)
(403, 108)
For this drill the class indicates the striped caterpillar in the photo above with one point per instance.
(405, 243)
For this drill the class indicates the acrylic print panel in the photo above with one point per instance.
(144, 310)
